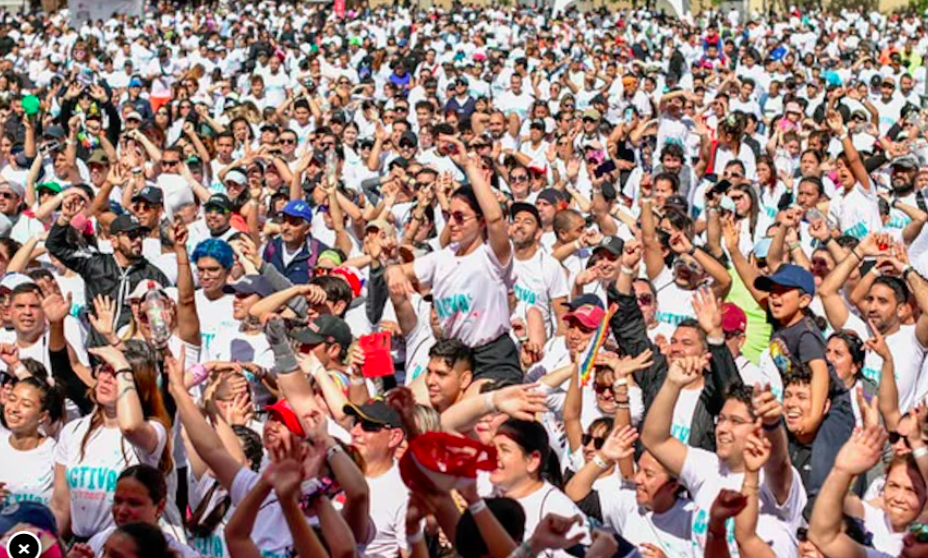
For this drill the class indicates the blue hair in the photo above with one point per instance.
(219, 250)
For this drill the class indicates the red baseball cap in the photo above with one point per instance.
(733, 318)
(588, 315)
(283, 411)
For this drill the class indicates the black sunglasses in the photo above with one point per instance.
(368, 426)
(894, 438)
(597, 442)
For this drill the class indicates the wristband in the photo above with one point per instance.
(477, 506)
(876, 271)
(355, 381)
(627, 271)
(600, 462)
(843, 136)
(488, 403)
(200, 373)
(918, 453)
(774, 426)
(856, 255)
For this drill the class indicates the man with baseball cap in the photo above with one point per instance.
(216, 221)
(328, 337)
(294, 252)
(377, 432)
(734, 326)
(110, 275)
(540, 279)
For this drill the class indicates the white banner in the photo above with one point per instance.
(84, 10)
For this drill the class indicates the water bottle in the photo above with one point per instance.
(157, 324)
(331, 165)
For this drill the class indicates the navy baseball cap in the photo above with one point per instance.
(298, 208)
(583, 300)
(787, 275)
(32, 513)
(250, 284)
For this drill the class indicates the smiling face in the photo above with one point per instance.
(23, 409)
(785, 302)
(654, 487)
(513, 465)
(903, 494)
(733, 426)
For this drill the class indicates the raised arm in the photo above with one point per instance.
(188, 323)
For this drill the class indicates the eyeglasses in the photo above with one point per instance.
(8, 195)
(166, 163)
(597, 442)
(406, 145)
(518, 178)
(287, 141)
(135, 235)
(326, 144)
(459, 217)
(401, 109)
(645, 299)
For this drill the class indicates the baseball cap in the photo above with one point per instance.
(14, 279)
(98, 157)
(326, 328)
(794, 107)
(151, 194)
(135, 82)
(50, 186)
(375, 410)
(134, 115)
(787, 275)
(584, 299)
(520, 207)
(909, 162)
(592, 113)
(14, 187)
(351, 275)
(236, 176)
(55, 131)
(221, 201)
(612, 244)
(250, 284)
(588, 315)
(283, 411)
(126, 223)
(298, 208)
(552, 196)
(30, 513)
(733, 318)
(381, 225)
(409, 137)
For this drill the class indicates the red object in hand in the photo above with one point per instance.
(377, 359)
(443, 461)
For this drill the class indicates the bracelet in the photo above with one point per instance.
(600, 462)
(524, 550)
(918, 453)
(477, 506)
(623, 406)
(200, 373)
(876, 271)
(627, 271)
(415, 538)
(488, 403)
(623, 381)
(792, 246)
(853, 251)
(774, 426)
(843, 136)
(905, 272)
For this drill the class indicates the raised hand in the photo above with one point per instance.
(103, 315)
(56, 307)
(862, 451)
(877, 343)
(687, 370)
(631, 256)
(620, 444)
(756, 450)
(727, 504)
(551, 533)
(9, 354)
(624, 366)
(766, 406)
(404, 403)
(708, 311)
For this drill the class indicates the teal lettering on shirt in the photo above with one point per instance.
(525, 295)
(455, 304)
(898, 222)
(680, 432)
(857, 231)
(872, 374)
(211, 546)
(670, 318)
(92, 478)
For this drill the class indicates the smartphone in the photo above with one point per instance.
(813, 214)
(629, 115)
(605, 168)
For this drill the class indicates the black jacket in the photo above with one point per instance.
(102, 274)
(631, 334)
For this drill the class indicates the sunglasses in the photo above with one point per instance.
(169, 163)
(459, 217)
(368, 426)
(602, 388)
(894, 438)
(8, 195)
(597, 442)
(518, 178)
(135, 235)
(288, 141)
(645, 299)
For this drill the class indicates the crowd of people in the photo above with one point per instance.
(493, 282)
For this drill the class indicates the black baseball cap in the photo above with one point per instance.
(151, 194)
(126, 223)
(375, 410)
(612, 244)
(221, 201)
(325, 329)
(519, 207)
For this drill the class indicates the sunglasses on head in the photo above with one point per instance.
(597, 442)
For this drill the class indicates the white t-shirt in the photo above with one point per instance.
(670, 531)
(270, 533)
(92, 478)
(884, 538)
(388, 515)
(539, 280)
(215, 315)
(418, 343)
(470, 292)
(683, 414)
(704, 475)
(28, 475)
(545, 500)
(673, 303)
(856, 211)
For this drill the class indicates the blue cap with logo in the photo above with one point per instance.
(298, 208)
(787, 275)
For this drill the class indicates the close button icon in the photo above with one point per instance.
(24, 545)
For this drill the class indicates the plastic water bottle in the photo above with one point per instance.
(331, 165)
(157, 323)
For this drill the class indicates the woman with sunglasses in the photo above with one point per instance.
(129, 425)
(470, 278)
(140, 497)
(29, 410)
(895, 529)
